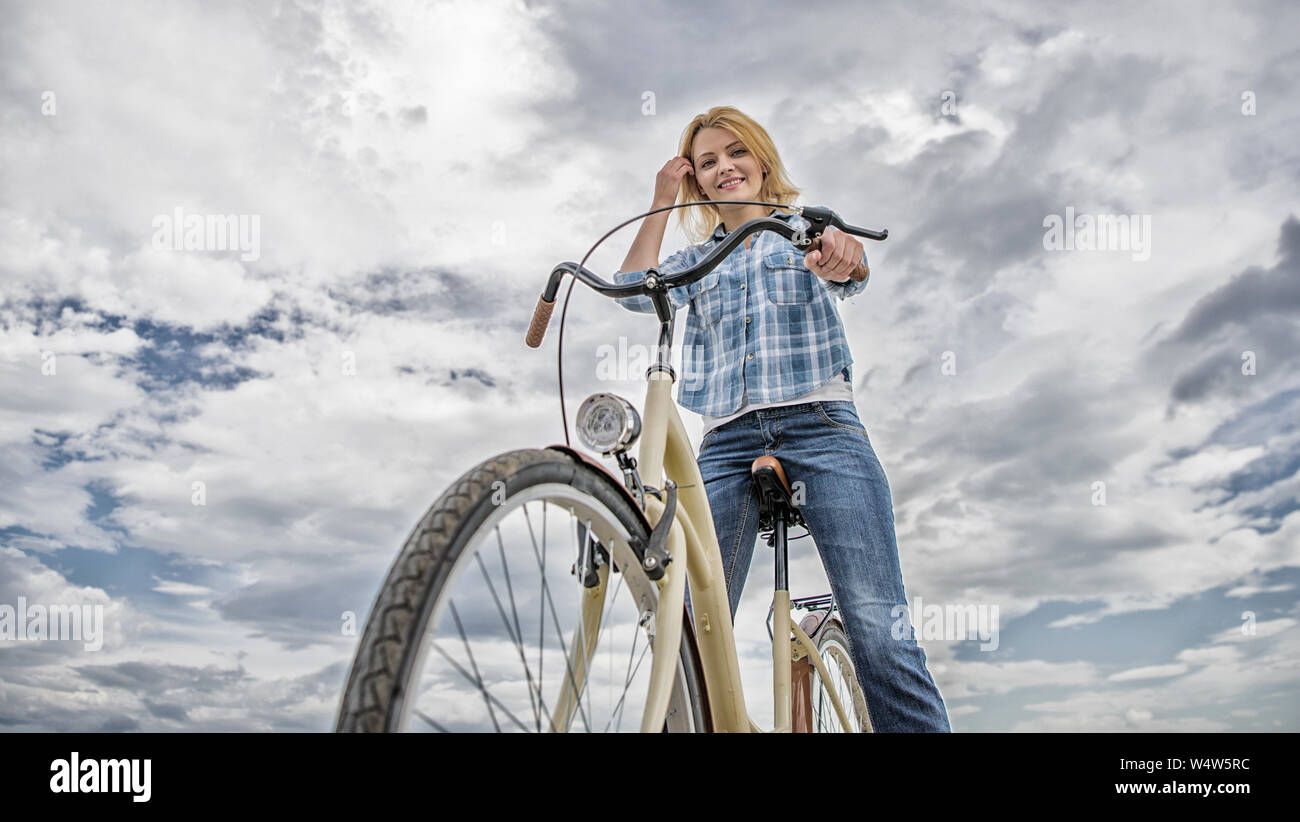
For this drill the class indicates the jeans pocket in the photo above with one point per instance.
(840, 415)
(708, 436)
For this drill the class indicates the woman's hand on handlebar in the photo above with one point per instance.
(834, 255)
(668, 181)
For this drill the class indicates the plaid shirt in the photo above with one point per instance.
(762, 327)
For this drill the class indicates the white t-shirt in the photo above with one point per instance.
(837, 389)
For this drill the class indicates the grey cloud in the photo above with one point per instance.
(1251, 295)
(917, 370)
(432, 294)
(1195, 383)
(1258, 310)
(161, 710)
(118, 724)
(1272, 341)
(1038, 34)
(414, 116)
(150, 678)
(148, 696)
(1059, 425)
(299, 616)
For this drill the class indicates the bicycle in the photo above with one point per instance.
(416, 657)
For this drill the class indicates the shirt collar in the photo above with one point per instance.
(721, 230)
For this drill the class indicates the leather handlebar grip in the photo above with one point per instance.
(541, 319)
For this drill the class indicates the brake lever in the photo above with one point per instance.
(820, 218)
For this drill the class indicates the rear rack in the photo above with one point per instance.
(816, 603)
(821, 602)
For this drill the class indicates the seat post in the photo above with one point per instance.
(775, 501)
(782, 672)
(778, 541)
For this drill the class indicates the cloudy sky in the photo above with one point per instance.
(416, 169)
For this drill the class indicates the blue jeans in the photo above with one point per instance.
(850, 515)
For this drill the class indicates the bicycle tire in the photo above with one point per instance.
(395, 643)
(833, 647)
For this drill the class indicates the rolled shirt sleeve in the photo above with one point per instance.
(679, 261)
(850, 286)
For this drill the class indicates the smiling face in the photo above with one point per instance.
(724, 168)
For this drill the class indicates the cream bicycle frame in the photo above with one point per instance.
(665, 451)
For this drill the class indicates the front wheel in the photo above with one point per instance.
(519, 603)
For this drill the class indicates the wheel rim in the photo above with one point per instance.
(505, 647)
(839, 666)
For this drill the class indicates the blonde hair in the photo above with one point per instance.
(698, 222)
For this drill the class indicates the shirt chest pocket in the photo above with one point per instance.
(706, 298)
(786, 280)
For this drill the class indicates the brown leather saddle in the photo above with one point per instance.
(775, 494)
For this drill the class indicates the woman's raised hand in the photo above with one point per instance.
(669, 179)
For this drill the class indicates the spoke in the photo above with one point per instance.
(541, 602)
(477, 678)
(505, 567)
(607, 606)
(580, 647)
(518, 644)
(821, 706)
(555, 616)
(543, 715)
(627, 681)
(840, 682)
(467, 675)
(846, 699)
(586, 667)
(583, 546)
(541, 614)
(627, 677)
(581, 622)
(429, 719)
(623, 698)
(845, 689)
(578, 694)
(604, 624)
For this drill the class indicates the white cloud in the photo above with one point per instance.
(1148, 672)
(180, 589)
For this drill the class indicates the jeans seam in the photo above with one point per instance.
(735, 543)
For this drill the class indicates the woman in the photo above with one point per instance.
(771, 373)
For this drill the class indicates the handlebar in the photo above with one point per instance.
(656, 287)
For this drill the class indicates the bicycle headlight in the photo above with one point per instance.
(608, 423)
